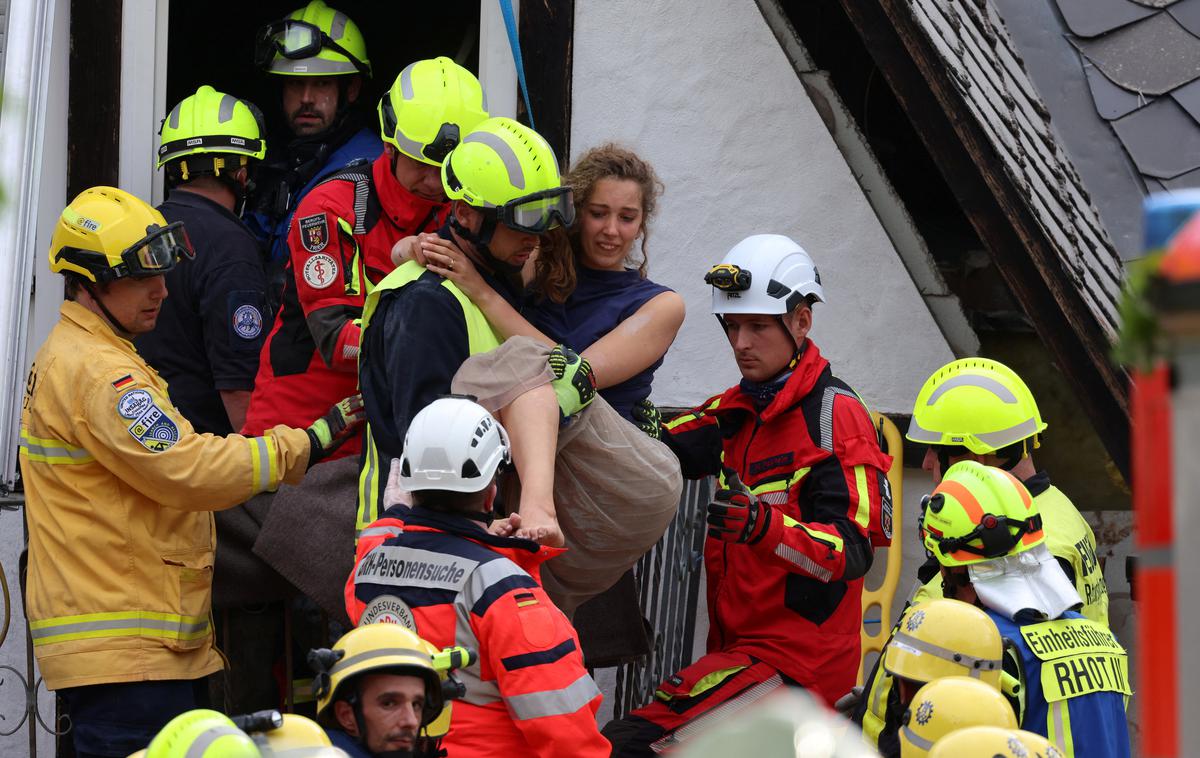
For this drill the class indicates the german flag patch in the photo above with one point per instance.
(123, 382)
(524, 599)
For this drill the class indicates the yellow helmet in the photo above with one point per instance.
(979, 513)
(211, 122)
(107, 233)
(430, 106)
(315, 40)
(976, 403)
(201, 733)
(296, 737)
(993, 742)
(940, 638)
(509, 171)
(946, 705)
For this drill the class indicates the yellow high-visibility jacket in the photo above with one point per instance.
(119, 490)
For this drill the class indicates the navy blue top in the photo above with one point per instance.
(601, 301)
(211, 328)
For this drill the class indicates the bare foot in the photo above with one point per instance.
(541, 527)
(505, 527)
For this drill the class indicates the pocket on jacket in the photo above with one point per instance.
(187, 583)
(815, 601)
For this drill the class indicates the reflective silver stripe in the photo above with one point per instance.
(918, 433)
(74, 453)
(313, 66)
(969, 380)
(553, 702)
(173, 119)
(720, 713)
(133, 624)
(974, 665)
(516, 176)
(406, 85)
(206, 738)
(1060, 738)
(386, 531)
(355, 660)
(915, 739)
(799, 559)
(264, 463)
(1026, 428)
(479, 690)
(367, 494)
(225, 111)
(337, 27)
(827, 399)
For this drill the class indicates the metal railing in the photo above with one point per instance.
(668, 582)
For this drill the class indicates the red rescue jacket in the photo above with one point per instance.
(452, 583)
(343, 230)
(792, 599)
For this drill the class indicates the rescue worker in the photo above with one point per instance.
(206, 342)
(979, 409)
(528, 693)
(506, 191)
(321, 57)
(946, 705)
(345, 228)
(993, 742)
(933, 639)
(987, 534)
(803, 499)
(119, 486)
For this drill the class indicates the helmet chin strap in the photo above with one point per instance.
(480, 241)
(107, 313)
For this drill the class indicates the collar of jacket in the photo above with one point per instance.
(94, 325)
(405, 209)
(804, 377)
(523, 552)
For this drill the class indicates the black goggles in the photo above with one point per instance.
(296, 40)
(157, 252)
(539, 212)
(998, 534)
(447, 138)
(728, 278)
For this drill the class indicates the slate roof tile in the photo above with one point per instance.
(1153, 56)
(1089, 18)
(1162, 139)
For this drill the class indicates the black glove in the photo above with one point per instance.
(574, 383)
(737, 515)
(339, 424)
(647, 418)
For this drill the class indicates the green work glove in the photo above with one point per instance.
(338, 425)
(647, 418)
(574, 383)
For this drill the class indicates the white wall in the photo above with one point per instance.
(702, 90)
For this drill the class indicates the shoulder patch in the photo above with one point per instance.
(124, 381)
(412, 567)
(247, 322)
(320, 271)
(152, 427)
(389, 609)
(314, 232)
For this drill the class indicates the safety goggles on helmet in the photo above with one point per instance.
(447, 138)
(728, 277)
(539, 212)
(156, 253)
(296, 40)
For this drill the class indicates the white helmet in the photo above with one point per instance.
(764, 273)
(453, 444)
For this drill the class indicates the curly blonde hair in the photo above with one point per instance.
(554, 270)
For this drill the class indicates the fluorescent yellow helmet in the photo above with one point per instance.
(315, 40)
(941, 638)
(979, 513)
(211, 123)
(946, 705)
(106, 234)
(993, 742)
(976, 403)
(296, 737)
(1037, 745)
(430, 106)
(202, 733)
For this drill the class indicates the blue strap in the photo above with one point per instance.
(510, 24)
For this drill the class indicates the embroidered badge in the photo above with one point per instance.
(153, 429)
(247, 322)
(389, 609)
(924, 712)
(885, 506)
(134, 403)
(525, 598)
(123, 382)
(914, 621)
(320, 271)
(314, 232)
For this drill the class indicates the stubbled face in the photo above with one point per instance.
(135, 302)
(391, 708)
(610, 222)
(310, 103)
(421, 179)
(761, 345)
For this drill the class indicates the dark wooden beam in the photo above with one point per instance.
(94, 95)
(999, 211)
(547, 31)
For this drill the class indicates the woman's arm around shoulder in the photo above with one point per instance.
(638, 341)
